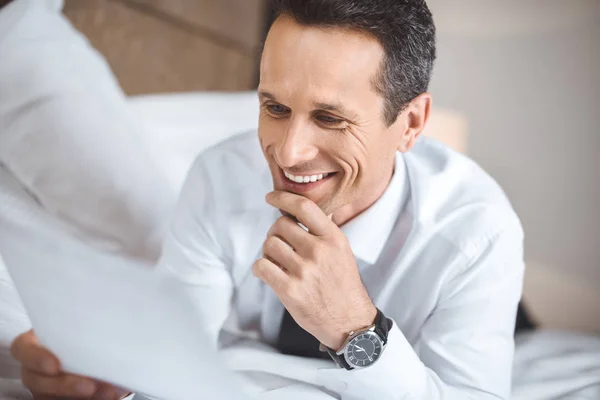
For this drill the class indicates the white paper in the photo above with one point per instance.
(102, 316)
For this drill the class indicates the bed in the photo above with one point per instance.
(549, 364)
(129, 158)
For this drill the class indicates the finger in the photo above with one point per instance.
(292, 233)
(43, 397)
(62, 386)
(305, 210)
(28, 351)
(271, 274)
(109, 392)
(281, 253)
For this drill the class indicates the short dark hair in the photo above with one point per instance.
(404, 28)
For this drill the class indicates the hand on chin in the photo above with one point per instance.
(313, 271)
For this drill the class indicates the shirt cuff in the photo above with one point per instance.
(398, 374)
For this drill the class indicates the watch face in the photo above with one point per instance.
(363, 350)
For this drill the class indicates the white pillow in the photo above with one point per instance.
(180, 126)
(67, 135)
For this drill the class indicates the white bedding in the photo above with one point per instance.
(556, 365)
(549, 365)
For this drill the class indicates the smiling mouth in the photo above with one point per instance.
(305, 178)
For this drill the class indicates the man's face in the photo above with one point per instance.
(321, 120)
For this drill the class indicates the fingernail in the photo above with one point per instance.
(49, 366)
(86, 388)
(122, 393)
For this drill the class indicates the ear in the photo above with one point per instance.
(415, 117)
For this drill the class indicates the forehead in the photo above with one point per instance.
(328, 62)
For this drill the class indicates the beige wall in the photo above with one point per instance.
(527, 77)
(175, 45)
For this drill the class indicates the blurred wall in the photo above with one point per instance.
(175, 45)
(527, 76)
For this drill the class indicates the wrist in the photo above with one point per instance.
(365, 319)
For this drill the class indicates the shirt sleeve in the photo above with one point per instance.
(466, 346)
(192, 252)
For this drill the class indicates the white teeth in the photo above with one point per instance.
(304, 179)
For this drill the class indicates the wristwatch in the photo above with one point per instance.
(363, 347)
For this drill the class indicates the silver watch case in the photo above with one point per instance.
(353, 337)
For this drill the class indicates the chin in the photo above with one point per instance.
(327, 206)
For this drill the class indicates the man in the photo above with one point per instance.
(397, 257)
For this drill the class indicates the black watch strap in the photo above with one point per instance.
(382, 328)
(340, 360)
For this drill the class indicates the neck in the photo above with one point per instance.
(352, 210)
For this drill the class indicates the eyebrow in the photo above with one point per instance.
(331, 107)
(266, 94)
(334, 107)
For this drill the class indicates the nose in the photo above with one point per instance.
(297, 145)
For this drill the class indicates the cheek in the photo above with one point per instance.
(353, 157)
(267, 133)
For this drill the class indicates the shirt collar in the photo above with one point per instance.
(369, 231)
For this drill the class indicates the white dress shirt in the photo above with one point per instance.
(440, 253)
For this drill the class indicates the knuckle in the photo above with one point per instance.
(66, 386)
(270, 244)
(258, 267)
(275, 228)
(33, 382)
(17, 346)
(271, 231)
(309, 273)
(281, 223)
(293, 293)
(262, 268)
(339, 241)
(280, 286)
(73, 385)
(316, 251)
(300, 272)
(108, 392)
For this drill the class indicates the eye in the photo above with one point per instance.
(329, 120)
(276, 109)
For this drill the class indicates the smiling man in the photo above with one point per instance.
(357, 240)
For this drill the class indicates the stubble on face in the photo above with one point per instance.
(312, 73)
